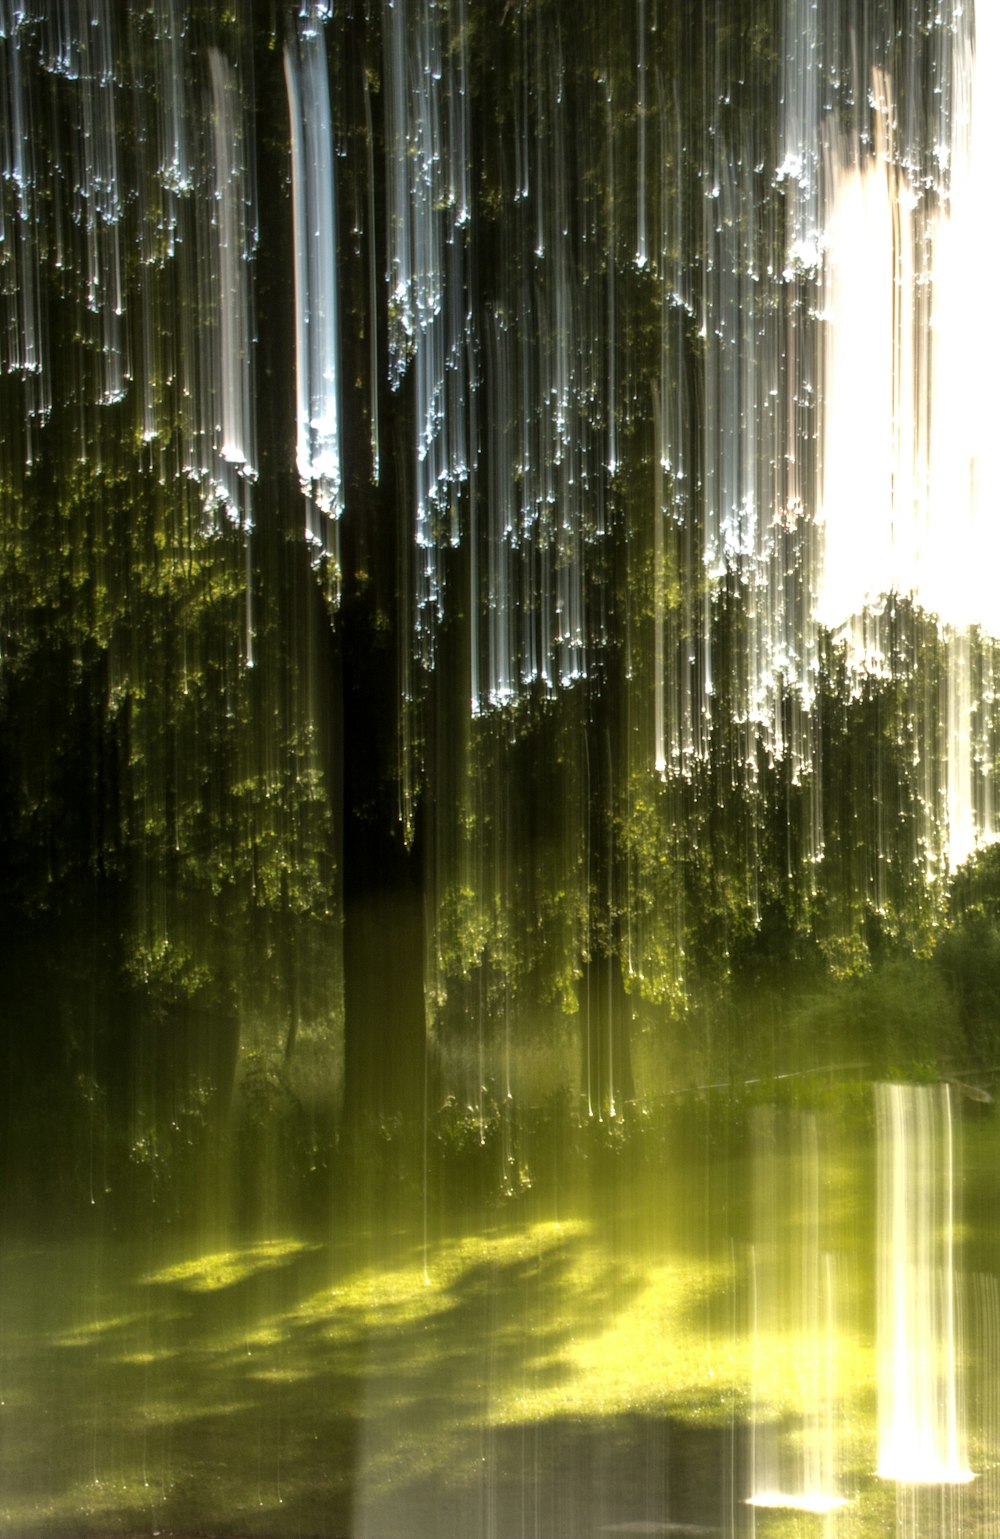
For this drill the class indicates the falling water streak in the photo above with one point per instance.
(641, 239)
(373, 364)
(175, 167)
(799, 167)
(317, 334)
(715, 347)
(23, 348)
(430, 322)
(230, 430)
(152, 339)
(793, 1297)
(670, 449)
(548, 335)
(909, 464)
(563, 428)
(859, 427)
(474, 596)
(921, 1435)
(98, 194)
(501, 520)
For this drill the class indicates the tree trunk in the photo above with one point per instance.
(606, 1037)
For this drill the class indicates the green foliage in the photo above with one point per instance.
(968, 954)
(477, 1151)
(897, 1020)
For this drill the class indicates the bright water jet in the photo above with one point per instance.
(921, 1428)
(794, 1309)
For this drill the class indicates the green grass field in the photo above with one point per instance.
(639, 1358)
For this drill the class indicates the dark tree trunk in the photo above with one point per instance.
(384, 1044)
(606, 1038)
(382, 870)
(385, 1039)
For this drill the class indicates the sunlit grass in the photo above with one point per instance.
(407, 1295)
(90, 1331)
(144, 1359)
(224, 1268)
(280, 1375)
(648, 1350)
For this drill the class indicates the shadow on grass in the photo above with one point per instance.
(524, 1377)
(286, 1388)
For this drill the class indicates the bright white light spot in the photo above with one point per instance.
(800, 1501)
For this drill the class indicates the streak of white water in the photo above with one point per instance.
(800, 158)
(430, 325)
(317, 340)
(174, 299)
(921, 1429)
(100, 196)
(793, 1300)
(232, 430)
(641, 72)
(549, 354)
(755, 528)
(909, 479)
(227, 404)
(175, 166)
(22, 337)
(373, 356)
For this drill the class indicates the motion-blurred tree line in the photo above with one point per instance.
(263, 868)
